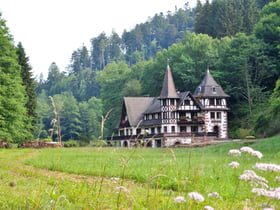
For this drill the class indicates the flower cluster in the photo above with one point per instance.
(267, 167)
(257, 154)
(253, 178)
(273, 193)
(114, 179)
(234, 152)
(122, 188)
(208, 208)
(196, 197)
(179, 199)
(266, 206)
(247, 150)
(234, 164)
(214, 194)
(252, 152)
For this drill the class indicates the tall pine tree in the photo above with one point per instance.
(15, 125)
(28, 82)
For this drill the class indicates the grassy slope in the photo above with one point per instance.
(204, 170)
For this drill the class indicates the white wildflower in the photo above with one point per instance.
(267, 167)
(252, 152)
(273, 193)
(277, 179)
(114, 179)
(196, 197)
(266, 206)
(248, 150)
(253, 178)
(234, 152)
(234, 164)
(121, 188)
(208, 208)
(214, 194)
(179, 199)
(257, 154)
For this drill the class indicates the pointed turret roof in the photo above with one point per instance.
(168, 88)
(209, 87)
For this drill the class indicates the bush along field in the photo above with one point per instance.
(236, 175)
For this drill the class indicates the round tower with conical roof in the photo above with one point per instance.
(213, 100)
(168, 103)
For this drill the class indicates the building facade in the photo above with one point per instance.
(174, 118)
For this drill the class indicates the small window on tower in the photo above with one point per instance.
(213, 89)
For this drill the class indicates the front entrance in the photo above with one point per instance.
(216, 131)
(125, 144)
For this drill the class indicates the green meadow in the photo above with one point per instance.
(134, 178)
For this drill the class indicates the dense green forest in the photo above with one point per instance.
(17, 90)
(239, 40)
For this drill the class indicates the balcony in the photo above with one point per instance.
(190, 121)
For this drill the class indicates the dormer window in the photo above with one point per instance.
(213, 89)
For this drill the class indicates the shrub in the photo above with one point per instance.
(49, 139)
(83, 141)
(71, 143)
(241, 133)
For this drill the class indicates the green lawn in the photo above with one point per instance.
(80, 178)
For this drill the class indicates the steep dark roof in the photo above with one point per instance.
(209, 88)
(168, 88)
(154, 107)
(135, 107)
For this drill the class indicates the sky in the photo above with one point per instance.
(50, 30)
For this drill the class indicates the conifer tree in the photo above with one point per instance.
(14, 122)
(28, 82)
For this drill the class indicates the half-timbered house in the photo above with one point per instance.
(174, 118)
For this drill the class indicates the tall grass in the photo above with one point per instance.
(149, 178)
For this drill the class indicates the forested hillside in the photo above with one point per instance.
(239, 40)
